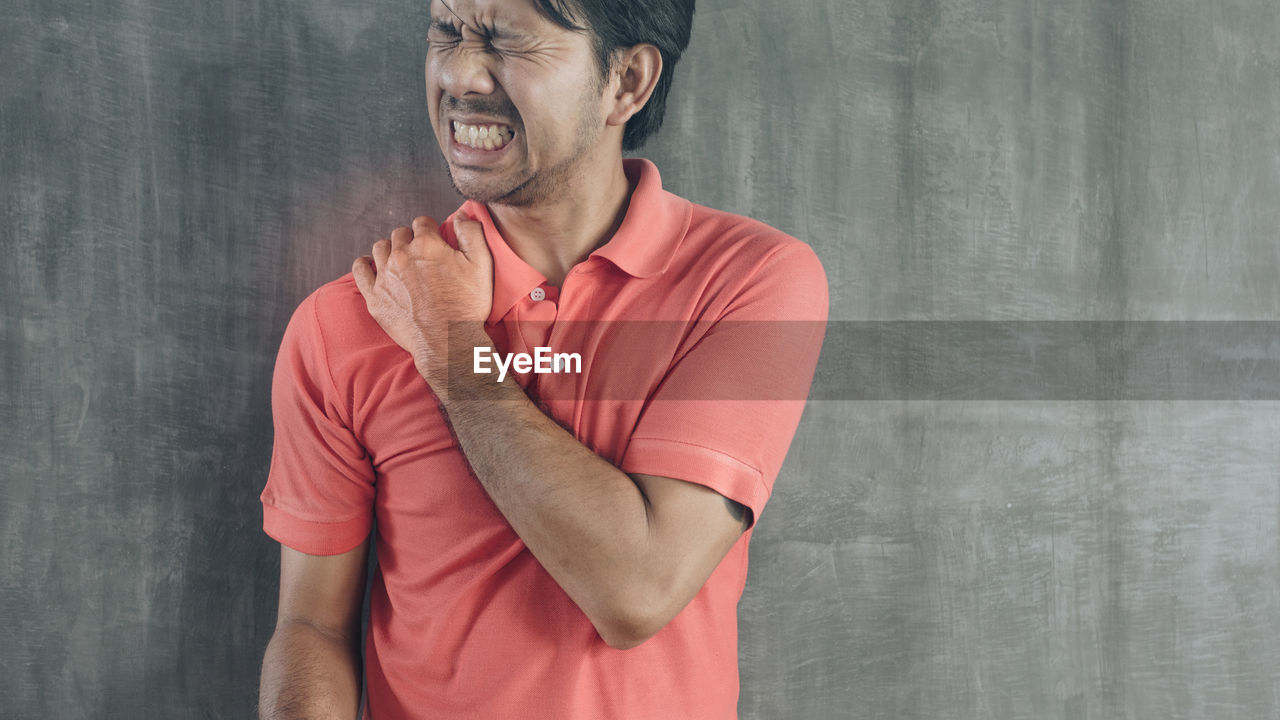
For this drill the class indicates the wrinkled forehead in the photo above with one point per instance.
(489, 13)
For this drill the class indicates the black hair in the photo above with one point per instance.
(616, 24)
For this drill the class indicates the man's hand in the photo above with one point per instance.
(415, 285)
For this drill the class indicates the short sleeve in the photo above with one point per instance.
(727, 410)
(319, 493)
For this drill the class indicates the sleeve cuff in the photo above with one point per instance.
(315, 538)
(723, 473)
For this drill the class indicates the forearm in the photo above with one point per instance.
(585, 520)
(309, 673)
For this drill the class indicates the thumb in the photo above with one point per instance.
(470, 236)
(364, 274)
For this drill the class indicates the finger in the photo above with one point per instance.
(401, 237)
(470, 236)
(381, 251)
(423, 225)
(363, 272)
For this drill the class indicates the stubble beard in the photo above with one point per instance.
(541, 186)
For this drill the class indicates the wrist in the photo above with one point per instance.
(448, 365)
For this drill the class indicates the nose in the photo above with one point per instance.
(466, 71)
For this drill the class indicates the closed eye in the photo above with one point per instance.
(443, 33)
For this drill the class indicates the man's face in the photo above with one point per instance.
(517, 102)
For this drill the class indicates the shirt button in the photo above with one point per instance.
(538, 294)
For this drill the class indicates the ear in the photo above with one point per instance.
(635, 72)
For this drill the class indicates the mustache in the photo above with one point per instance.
(492, 107)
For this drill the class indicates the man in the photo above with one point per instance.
(565, 544)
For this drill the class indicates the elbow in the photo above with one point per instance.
(625, 636)
(630, 624)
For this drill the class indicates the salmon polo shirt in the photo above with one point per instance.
(698, 332)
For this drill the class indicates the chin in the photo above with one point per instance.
(489, 193)
(479, 193)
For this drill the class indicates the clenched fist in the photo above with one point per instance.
(415, 285)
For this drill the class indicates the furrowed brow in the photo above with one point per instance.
(444, 26)
(482, 29)
(495, 32)
(461, 22)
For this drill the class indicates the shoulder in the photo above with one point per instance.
(743, 260)
(339, 299)
(332, 326)
(337, 315)
(750, 243)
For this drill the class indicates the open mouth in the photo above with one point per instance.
(482, 137)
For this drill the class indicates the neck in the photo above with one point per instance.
(555, 235)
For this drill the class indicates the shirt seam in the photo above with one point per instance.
(299, 518)
(324, 357)
(749, 282)
(758, 474)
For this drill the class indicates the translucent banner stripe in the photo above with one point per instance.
(903, 360)
(1050, 360)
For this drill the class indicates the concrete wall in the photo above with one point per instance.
(177, 176)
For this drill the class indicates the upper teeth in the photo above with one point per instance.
(485, 137)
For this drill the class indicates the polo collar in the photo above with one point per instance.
(652, 229)
(655, 223)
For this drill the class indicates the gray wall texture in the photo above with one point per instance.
(178, 175)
